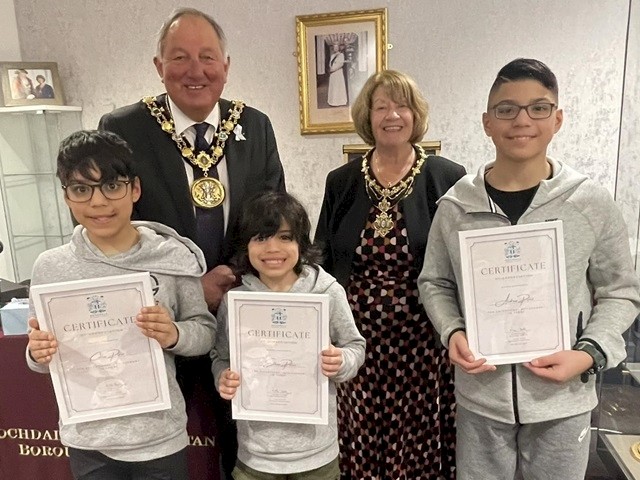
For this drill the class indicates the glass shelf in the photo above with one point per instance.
(34, 211)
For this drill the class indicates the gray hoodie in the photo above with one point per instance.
(176, 265)
(601, 285)
(287, 447)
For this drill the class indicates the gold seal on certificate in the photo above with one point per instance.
(515, 292)
(105, 367)
(275, 342)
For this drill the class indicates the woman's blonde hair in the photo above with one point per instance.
(402, 89)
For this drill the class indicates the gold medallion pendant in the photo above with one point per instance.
(383, 224)
(207, 192)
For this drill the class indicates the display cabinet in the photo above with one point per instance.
(35, 215)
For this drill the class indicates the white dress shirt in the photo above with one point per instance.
(185, 126)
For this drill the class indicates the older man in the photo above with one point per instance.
(199, 157)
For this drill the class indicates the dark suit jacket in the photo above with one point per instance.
(346, 206)
(253, 165)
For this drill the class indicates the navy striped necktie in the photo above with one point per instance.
(210, 221)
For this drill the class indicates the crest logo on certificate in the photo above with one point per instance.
(278, 316)
(96, 304)
(512, 250)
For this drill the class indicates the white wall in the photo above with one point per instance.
(10, 45)
(627, 189)
(453, 48)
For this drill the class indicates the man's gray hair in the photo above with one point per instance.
(186, 11)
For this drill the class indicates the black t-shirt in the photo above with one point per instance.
(513, 204)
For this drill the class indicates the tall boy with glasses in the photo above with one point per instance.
(96, 169)
(535, 416)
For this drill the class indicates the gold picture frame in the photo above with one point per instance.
(30, 83)
(337, 53)
(357, 150)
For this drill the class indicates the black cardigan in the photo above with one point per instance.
(346, 206)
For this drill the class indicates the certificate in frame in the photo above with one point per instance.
(515, 292)
(105, 367)
(275, 340)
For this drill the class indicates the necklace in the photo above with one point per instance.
(388, 197)
(206, 192)
(379, 172)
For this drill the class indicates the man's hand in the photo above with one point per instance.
(561, 366)
(460, 355)
(331, 361)
(155, 322)
(215, 284)
(42, 345)
(228, 384)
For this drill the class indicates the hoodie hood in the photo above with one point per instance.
(311, 280)
(160, 250)
(471, 195)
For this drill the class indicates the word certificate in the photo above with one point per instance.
(275, 344)
(515, 291)
(105, 367)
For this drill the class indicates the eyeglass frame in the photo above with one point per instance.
(525, 108)
(93, 187)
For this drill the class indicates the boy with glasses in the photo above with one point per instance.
(535, 416)
(96, 169)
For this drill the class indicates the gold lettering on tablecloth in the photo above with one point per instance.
(196, 441)
(42, 451)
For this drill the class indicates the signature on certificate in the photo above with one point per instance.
(517, 334)
(272, 362)
(277, 393)
(518, 300)
(106, 357)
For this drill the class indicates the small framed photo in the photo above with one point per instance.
(355, 151)
(30, 83)
(337, 53)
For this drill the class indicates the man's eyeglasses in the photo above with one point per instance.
(83, 192)
(536, 111)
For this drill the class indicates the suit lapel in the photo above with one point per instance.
(235, 152)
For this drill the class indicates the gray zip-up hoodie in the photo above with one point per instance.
(176, 265)
(287, 447)
(601, 285)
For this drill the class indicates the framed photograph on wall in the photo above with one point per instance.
(337, 52)
(30, 83)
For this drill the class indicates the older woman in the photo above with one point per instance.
(396, 418)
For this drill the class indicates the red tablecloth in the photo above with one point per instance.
(29, 445)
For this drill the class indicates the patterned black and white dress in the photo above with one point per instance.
(396, 417)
